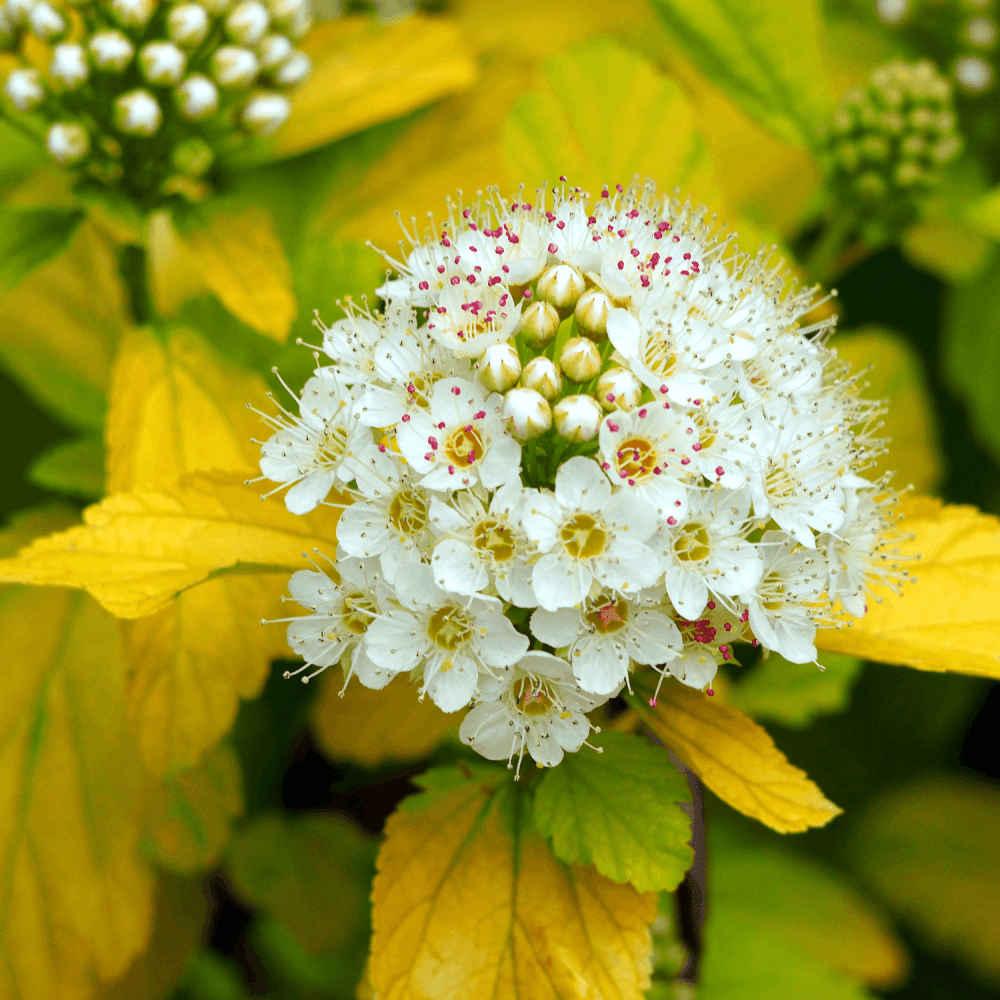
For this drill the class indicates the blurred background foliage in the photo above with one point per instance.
(261, 823)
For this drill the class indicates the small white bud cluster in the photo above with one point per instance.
(890, 140)
(583, 440)
(139, 69)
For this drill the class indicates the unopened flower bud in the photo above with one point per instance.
(265, 113)
(580, 360)
(111, 50)
(295, 71)
(247, 22)
(543, 376)
(68, 67)
(24, 89)
(539, 324)
(67, 142)
(592, 314)
(301, 24)
(163, 63)
(234, 67)
(197, 97)
(577, 418)
(527, 413)
(618, 389)
(187, 24)
(973, 73)
(562, 285)
(192, 157)
(499, 367)
(137, 113)
(273, 51)
(46, 22)
(132, 13)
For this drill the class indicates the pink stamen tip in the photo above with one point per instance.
(652, 703)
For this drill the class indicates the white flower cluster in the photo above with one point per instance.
(150, 87)
(578, 439)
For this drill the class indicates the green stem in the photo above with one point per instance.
(821, 261)
(133, 268)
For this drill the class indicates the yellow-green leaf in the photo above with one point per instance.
(469, 901)
(736, 759)
(932, 852)
(74, 467)
(241, 260)
(178, 407)
(804, 903)
(75, 898)
(192, 812)
(948, 619)
(373, 727)
(365, 73)
(573, 127)
(311, 872)
(136, 551)
(59, 327)
(895, 375)
(953, 250)
(765, 55)
(193, 660)
(182, 910)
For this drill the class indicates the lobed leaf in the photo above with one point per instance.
(618, 811)
(765, 56)
(469, 901)
(948, 618)
(930, 850)
(75, 898)
(74, 467)
(371, 728)
(191, 813)
(136, 551)
(737, 760)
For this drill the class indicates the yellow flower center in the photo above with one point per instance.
(658, 357)
(450, 627)
(534, 700)
(358, 612)
(493, 536)
(583, 537)
(464, 447)
(636, 458)
(609, 616)
(691, 544)
(408, 512)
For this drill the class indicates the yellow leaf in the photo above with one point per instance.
(365, 73)
(953, 250)
(182, 909)
(176, 408)
(736, 759)
(897, 377)
(172, 271)
(569, 127)
(192, 661)
(464, 908)
(59, 328)
(191, 814)
(372, 727)
(136, 551)
(76, 901)
(948, 619)
(242, 261)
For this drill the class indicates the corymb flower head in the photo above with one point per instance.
(128, 83)
(581, 439)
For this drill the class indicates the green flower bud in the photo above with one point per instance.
(192, 157)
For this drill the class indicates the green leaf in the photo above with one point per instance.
(312, 873)
(618, 811)
(812, 909)
(31, 236)
(572, 126)
(795, 694)
(73, 467)
(971, 350)
(765, 55)
(931, 851)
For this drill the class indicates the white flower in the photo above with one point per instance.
(708, 641)
(67, 142)
(469, 317)
(588, 536)
(111, 50)
(162, 63)
(459, 439)
(234, 67)
(603, 635)
(391, 518)
(343, 610)
(707, 551)
(24, 89)
(479, 545)
(648, 453)
(197, 97)
(68, 66)
(309, 452)
(451, 637)
(540, 710)
(794, 577)
(137, 113)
